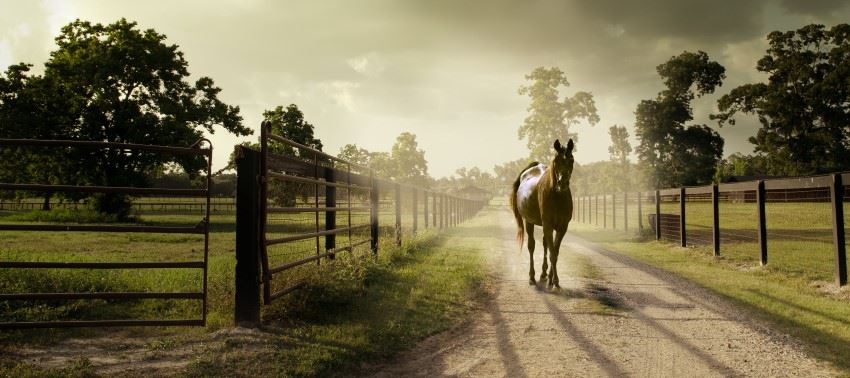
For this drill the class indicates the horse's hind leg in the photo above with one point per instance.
(529, 231)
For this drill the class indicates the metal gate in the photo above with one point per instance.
(201, 228)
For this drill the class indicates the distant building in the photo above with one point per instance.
(473, 193)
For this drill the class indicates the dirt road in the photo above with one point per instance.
(613, 317)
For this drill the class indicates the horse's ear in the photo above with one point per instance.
(570, 145)
(558, 146)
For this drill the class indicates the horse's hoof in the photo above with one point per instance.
(543, 276)
(549, 286)
(532, 282)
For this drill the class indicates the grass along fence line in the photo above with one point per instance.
(797, 232)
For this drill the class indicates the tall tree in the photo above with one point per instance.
(289, 123)
(672, 153)
(409, 159)
(551, 117)
(118, 83)
(803, 107)
(619, 151)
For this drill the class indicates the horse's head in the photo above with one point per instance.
(561, 167)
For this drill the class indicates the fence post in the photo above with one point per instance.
(415, 209)
(247, 272)
(683, 235)
(442, 211)
(837, 193)
(434, 209)
(640, 212)
(626, 211)
(374, 199)
(614, 210)
(657, 214)
(425, 207)
(715, 216)
(397, 188)
(596, 210)
(330, 216)
(604, 211)
(760, 198)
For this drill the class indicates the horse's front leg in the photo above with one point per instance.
(553, 258)
(529, 231)
(547, 244)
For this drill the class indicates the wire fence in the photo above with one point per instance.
(801, 222)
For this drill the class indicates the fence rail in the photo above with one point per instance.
(276, 241)
(200, 228)
(799, 215)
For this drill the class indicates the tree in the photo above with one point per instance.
(619, 151)
(550, 117)
(409, 159)
(672, 153)
(32, 108)
(118, 83)
(290, 124)
(739, 164)
(354, 154)
(803, 106)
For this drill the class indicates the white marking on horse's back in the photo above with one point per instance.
(527, 185)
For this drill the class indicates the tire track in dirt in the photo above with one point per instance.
(613, 317)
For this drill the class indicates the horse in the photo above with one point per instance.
(541, 197)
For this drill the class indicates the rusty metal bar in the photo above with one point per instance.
(198, 229)
(291, 143)
(288, 290)
(105, 189)
(300, 262)
(314, 181)
(312, 235)
(95, 144)
(101, 265)
(101, 323)
(102, 295)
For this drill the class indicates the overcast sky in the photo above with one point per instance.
(448, 71)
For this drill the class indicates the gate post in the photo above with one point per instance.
(247, 295)
(715, 215)
(626, 211)
(330, 215)
(434, 209)
(683, 235)
(640, 212)
(760, 198)
(657, 215)
(837, 193)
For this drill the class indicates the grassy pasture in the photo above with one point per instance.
(428, 282)
(799, 234)
(138, 247)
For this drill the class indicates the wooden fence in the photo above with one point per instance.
(691, 216)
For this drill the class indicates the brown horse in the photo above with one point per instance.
(541, 197)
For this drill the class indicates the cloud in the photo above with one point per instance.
(363, 72)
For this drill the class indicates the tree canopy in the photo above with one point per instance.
(803, 107)
(117, 83)
(551, 117)
(673, 153)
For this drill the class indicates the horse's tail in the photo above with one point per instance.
(520, 234)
